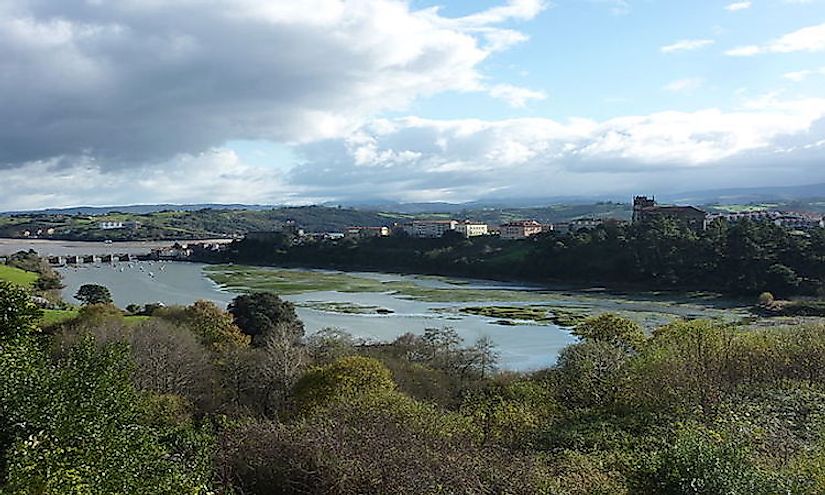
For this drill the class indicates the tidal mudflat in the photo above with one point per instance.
(502, 303)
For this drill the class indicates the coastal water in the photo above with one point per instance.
(522, 347)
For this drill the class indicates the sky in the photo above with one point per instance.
(113, 102)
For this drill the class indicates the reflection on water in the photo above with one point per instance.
(522, 347)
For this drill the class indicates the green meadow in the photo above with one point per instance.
(17, 276)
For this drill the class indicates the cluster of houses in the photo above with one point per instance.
(132, 225)
(36, 234)
(184, 250)
(645, 209)
(791, 221)
(432, 229)
(46, 232)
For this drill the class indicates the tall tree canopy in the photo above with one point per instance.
(93, 294)
(263, 313)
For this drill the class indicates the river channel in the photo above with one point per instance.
(524, 346)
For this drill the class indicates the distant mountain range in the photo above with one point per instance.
(707, 197)
(138, 209)
(748, 195)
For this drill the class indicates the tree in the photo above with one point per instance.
(766, 299)
(73, 425)
(280, 361)
(170, 360)
(612, 329)
(329, 344)
(262, 312)
(93, 294)
(350, 376)
(782, 279)
(18, 314)
(483, 357)
(439, 347)
(591, 373)
(509, 412)
(215, 327)
(706, 462)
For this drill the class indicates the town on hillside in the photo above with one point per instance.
(645, 209)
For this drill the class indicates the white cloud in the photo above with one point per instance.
(801, 75)
(685, 45)
(135, 87)
(515, 96)
(735, 6)
(808, 39)
(415, 159)
(418, 159)
(684, 85)
(217, 176)
(744, 51)
(108, 102)
(514, 9)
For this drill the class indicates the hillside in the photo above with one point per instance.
(207, 223)
(229, 221)
(199, 224)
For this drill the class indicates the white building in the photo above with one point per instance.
(429, 228)
(793, 221)
(797, 221)
(471, 229)
(520, 230)
(110, 225)
(584, 223)
(754, 216)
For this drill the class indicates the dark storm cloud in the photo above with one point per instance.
(140, 80)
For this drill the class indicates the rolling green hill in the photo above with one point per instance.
(226, 222)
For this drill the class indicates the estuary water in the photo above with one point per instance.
(521, 347)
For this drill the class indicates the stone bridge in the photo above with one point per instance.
(79, 259)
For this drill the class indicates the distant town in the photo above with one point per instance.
(314, 223)
(645, 209)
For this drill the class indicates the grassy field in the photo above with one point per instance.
(280, 281)
(345, 308)
(17, 276)
(55, 316)
(569, 316)
(253, 279)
